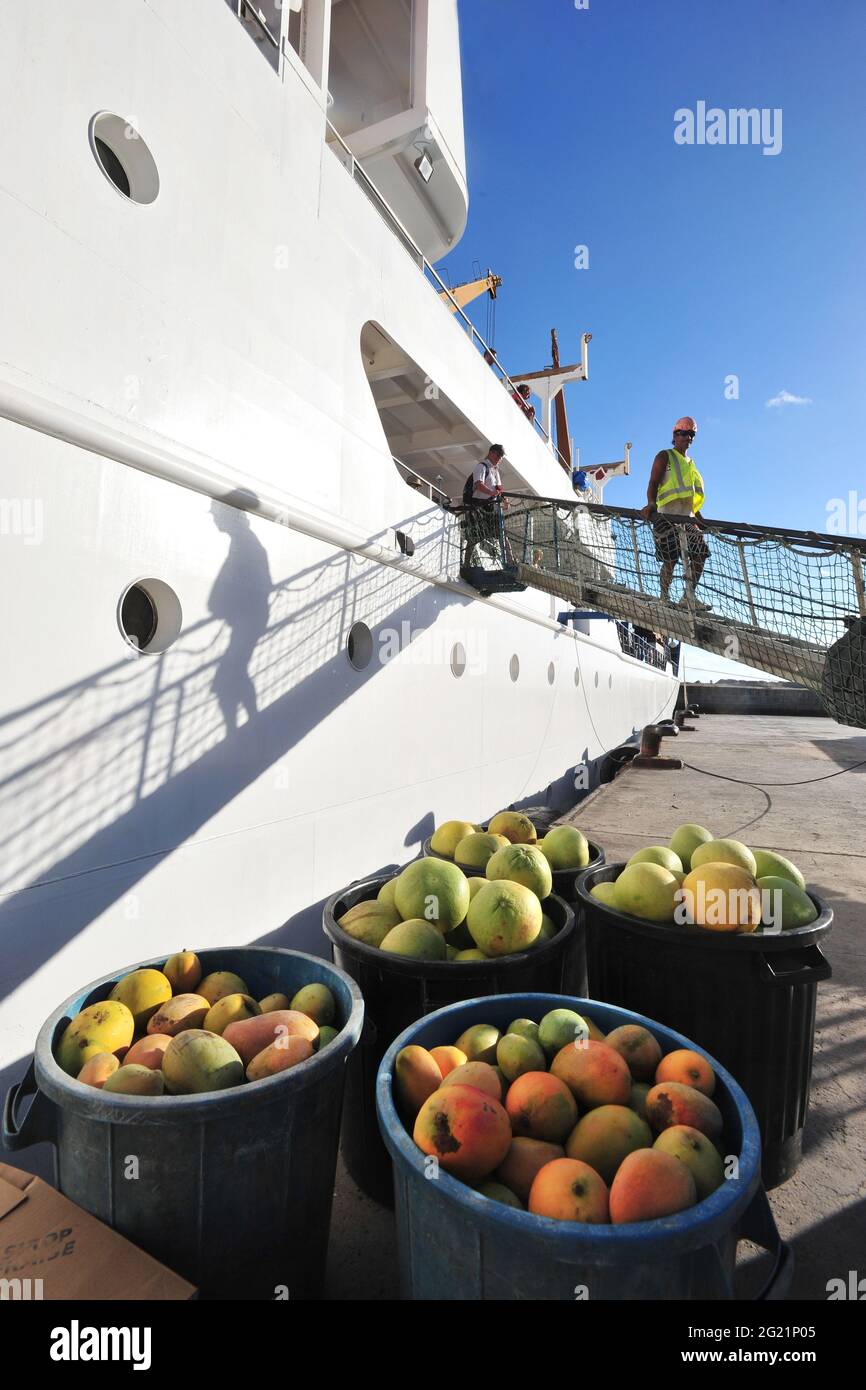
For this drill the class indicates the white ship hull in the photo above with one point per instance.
(154, 361)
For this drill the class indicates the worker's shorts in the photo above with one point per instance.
(667, 539)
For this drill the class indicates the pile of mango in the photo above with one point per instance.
(720, 884)
(173, 1032)
(433, 911)
(556, 1119)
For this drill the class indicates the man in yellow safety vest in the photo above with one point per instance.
(676, 490)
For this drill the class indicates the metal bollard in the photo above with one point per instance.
(650, 746)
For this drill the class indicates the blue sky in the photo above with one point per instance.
(704, 260)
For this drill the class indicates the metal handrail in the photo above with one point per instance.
(249, 7)
(743, 530)
(360, 175)
(431, 487)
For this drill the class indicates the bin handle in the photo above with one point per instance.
(37, 1126)
(810, 967)
(759, 1226)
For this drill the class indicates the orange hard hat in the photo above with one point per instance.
(685, 422)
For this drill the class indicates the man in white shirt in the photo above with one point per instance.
(481, 528)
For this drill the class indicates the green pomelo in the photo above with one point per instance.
(451, 952)
(385, 895)
(476, 849)
(565, 847)
(686, 839)
(647, 890)
(524, 1028)
(478, 1043)
(605, 892)
(448, 835)
(504, 917)
(369, 922)
(416, 939)
(435, 891)
(476, 883)
(516, 1055)
(326, 1035)
(658, 854)
(472, 953)
(796, 907)
(522, 864)
(559, 1028)
(515, 827)
(766, 863)
(548, 929)
(725, 852)
(498, 1192)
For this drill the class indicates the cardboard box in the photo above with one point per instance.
(57, 1251)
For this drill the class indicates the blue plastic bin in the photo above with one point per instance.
(232, 1189)
(456, 1244)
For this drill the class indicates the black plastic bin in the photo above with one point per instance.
(749, 999)
(564, 880)
(233, 1188)
(397, 992)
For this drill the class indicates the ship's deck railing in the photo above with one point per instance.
(362, 178)
(415, 480)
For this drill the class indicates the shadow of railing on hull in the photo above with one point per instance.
(119, 770)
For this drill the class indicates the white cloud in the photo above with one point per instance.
(785, 398)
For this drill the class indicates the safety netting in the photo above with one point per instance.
(790, 603)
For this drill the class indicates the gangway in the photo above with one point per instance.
(790, 603)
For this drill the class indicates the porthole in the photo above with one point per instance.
(577, 675)
(551, 674)
(514, 667)
(458, 659)
(149, 615)
(124, 158)
(359, 646)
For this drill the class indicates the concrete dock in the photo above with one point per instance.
(822, 1209)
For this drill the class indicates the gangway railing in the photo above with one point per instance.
(790, 603)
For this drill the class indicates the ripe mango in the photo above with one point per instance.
(253, 1035)
(148, 1051)
(220, 983)
(326, 1035)
(134, 1080)
(671, 1103)
(317, 1002)
(183, 972)
(272, 1002)
(98, 1069)
(142, 991)
(232, 1008)
(479, 1043)
(177, 1014)
(104, 1027)
(416, 1076)
(196, 1061)
(282, 1055)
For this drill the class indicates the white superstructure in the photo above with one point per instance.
(203, 386)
